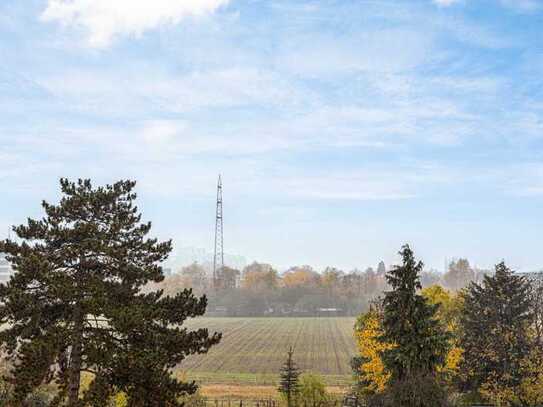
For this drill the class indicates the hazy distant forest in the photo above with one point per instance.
(260, 290)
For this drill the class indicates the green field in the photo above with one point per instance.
(253, 350)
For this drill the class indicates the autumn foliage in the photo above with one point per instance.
(494, 346)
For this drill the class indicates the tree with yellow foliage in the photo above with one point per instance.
(448, 313)
(367, 366)
(301, 276)
(260, 277)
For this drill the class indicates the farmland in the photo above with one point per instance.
(253, 350)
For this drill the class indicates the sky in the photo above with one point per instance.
(342, 129)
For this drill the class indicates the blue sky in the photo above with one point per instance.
(343, 129)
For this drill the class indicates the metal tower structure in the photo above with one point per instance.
(218, 257)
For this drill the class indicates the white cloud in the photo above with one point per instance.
(233, 87)
(161, 132)
(388, 50)
(133, 90)
(107, 19)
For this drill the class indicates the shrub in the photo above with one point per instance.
(193, 400)
(312, 391)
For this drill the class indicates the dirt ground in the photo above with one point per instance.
(251, 392)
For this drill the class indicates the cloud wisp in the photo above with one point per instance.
(105, 20)
(521, 6)
(446, 3)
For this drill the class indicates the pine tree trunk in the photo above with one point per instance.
(74, 371)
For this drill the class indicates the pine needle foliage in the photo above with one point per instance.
(75, 303)
(495, 331)
(289, 385)
(410, 323)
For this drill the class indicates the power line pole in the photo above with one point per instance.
(218, 257)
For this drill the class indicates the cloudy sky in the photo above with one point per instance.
(342, 128)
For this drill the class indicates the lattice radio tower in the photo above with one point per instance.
(218, 257)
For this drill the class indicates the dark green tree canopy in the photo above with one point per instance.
(495, 324)
(410, 323)
(75, 303)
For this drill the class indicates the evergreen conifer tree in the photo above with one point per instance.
(288, 384)
(410, 323)
(75, 304)
(495, 325)
(419, 343)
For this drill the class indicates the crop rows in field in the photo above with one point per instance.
(258, 346)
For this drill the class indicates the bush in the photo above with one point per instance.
(194, 400)
(312, 391)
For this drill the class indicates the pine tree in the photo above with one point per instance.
(75, 303)
(410, 323)
(420, 343)
(495, 338)
(288, 384)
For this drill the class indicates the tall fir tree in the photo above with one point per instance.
(75, 304)
(419, 343)
(495, 331)
(410, 323)
(288, 384)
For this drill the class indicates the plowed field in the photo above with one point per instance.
(253, 349)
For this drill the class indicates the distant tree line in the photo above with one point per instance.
(260, 290)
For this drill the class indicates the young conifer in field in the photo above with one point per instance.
(74, 304)
(289, 385)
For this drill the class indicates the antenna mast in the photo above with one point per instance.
(218, 257)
